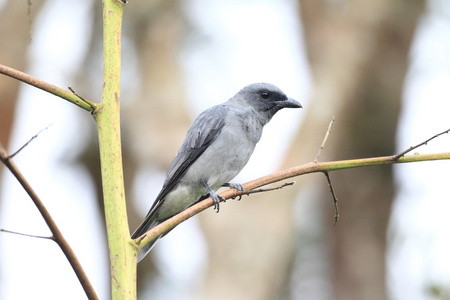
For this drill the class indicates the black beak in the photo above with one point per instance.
(289, 103)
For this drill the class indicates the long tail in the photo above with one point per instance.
(143, 228)
(149, 222)
(146, 249)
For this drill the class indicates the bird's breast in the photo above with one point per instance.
(180, 198)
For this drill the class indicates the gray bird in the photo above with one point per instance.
(216, 148)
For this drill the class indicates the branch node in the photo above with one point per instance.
(73, 92)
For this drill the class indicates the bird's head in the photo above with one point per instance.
(266, 99)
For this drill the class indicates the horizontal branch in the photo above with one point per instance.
(312, 167)
(57, 91)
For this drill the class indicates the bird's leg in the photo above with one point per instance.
(236, 186)
(216, 197)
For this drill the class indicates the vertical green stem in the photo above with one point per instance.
(121, 250)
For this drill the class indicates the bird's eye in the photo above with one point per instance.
(265, 95)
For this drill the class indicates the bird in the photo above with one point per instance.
(216, 148)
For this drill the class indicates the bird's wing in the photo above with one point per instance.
(202, 133)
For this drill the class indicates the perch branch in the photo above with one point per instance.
(311, 167)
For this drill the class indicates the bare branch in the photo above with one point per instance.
(325, 139)
(267, 189)
(247, 193)
(29, 141)
(40, 84)
(29, 235)
(335, 200)
(397, 156)
(57, 235)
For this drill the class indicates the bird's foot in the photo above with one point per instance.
(216, 197)
(236, 186)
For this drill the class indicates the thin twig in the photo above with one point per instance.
(325, 139)
(29, 141)
(57, 235)
(397, 156)
(335, 200)
(29, 235)
(241, 193)
(73, 91)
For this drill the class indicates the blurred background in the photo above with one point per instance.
(381, 68)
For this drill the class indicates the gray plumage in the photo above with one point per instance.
(217, 146)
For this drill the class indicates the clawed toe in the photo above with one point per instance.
(216, 199)
(236, 186)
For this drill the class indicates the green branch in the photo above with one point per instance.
(312, 167)
(122, 251)
(57, 91)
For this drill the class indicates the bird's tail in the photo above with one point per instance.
(146, 249)
(143, 228)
